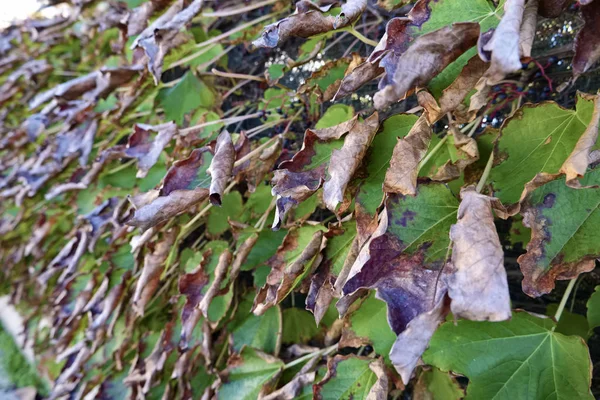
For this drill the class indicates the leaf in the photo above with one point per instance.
(215, 284)
(299, 178)
(401, 176)
(403, 260)
(294, 260)
(476, 277)
(221, 167)
(184, 186)
(513, 359)
(148, 282)
(309, 20)
(569, 324)
(424, 59)
(369, 322)
(457, 91)
(191, 285)
(255, 331)
(148, 151)
(532, 148)
(560, 250)
(163, 34)
(337, 257)
(434, 384)
(370, 196)
(185, 96)
(586, 42)
(593, 308)
(345, 161)
(352, 377)
(298, 326)
(504, 43)
(218, 219)
(249, 375)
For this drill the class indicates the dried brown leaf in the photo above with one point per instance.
(215, 286)
(309, 20)
(345, 161)
(476, 277)
(401, 176)
(580, 158)
(154, 262)
(424, 59)
(221, 167)
(283, 275)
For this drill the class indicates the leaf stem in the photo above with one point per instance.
(236, 10)
(486, 173)
(300, 360)
(225, 121)
(563, 301)
(432, 152)
(235, 30)
(361, 37)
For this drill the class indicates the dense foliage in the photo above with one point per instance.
(212, 199)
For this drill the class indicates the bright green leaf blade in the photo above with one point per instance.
(517, 359)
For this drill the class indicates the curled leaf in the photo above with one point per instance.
(476, 277)
(184, 186)
(221, 167)
(401, 176)
(295, 259)
(345, 161)
(215, 286)
(424, 59)
(154, 262)
(309, 20)
(163, 34)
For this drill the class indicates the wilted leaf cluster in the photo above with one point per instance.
(184, 216)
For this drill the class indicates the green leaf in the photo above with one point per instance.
(517, 359)
(564, 225)
(247, 375)
(266, 245)
(259, 332)
(335, 115)
(537, 139)
(231, 208)
(349, 377)
(370, 321)
(185, 96)
(439, 385)
(298, 326)
(569, 324)
(593, 309)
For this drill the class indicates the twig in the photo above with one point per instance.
(237, 76)
(224, 121)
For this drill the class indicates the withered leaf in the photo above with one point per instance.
(528, 28)
(221, 167)
(581, 157)
(401, 176)
(587, 41)
(147, 150)
(504, 43)
(163, 34)
(345, 161)
(309, 20)
(220, 273)
(458, 90)
(154, 262)
(191, 286)
(424, 59)
(476, 277)
(183, 187)
(299, 178)
(295, 259)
